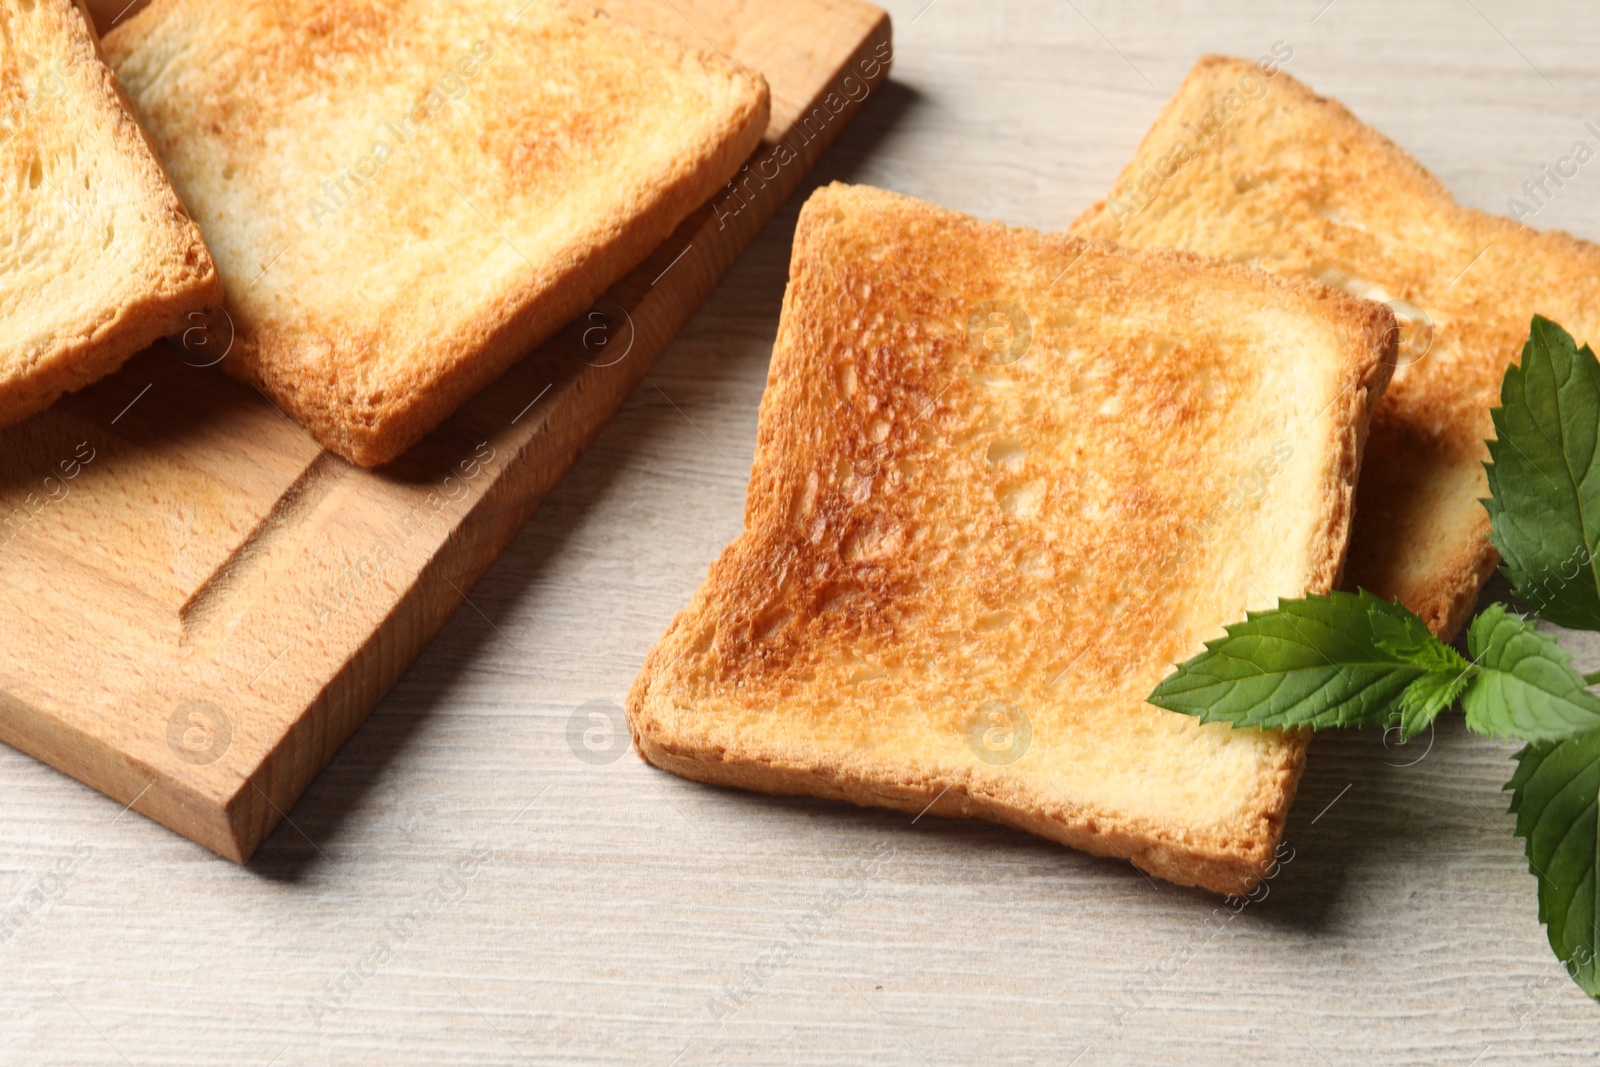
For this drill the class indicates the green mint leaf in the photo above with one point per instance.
(1313, 662)
(1525, 686)
(1406, 637)
(1429, 695)
(1403, 635)
(1554, 794)
(1544, 477)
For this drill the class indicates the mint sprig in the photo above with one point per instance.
(1354, 659)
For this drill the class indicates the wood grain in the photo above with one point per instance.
(204, 605)
(622, 900)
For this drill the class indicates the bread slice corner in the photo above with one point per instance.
(1003, 481)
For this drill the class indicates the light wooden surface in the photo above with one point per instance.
(202, 604)
(620, 901)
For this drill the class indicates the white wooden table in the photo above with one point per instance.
(459, 887)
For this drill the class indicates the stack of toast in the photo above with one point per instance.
(1005, 480)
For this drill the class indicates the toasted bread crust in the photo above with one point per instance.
(1231, 867)
(887, 566)
(1293, 182)
(537, 201)
(112, 317)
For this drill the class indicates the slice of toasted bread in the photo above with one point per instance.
(1258, 169)
(97, 256)
(1003, 481)
(405, 197)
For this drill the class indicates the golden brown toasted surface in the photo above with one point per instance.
(1003, 481)
(97, 256)
(405, 196)
(1261, 170)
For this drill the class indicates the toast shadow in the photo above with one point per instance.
(1365, 801)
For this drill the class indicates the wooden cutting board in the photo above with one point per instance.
(200, 605)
